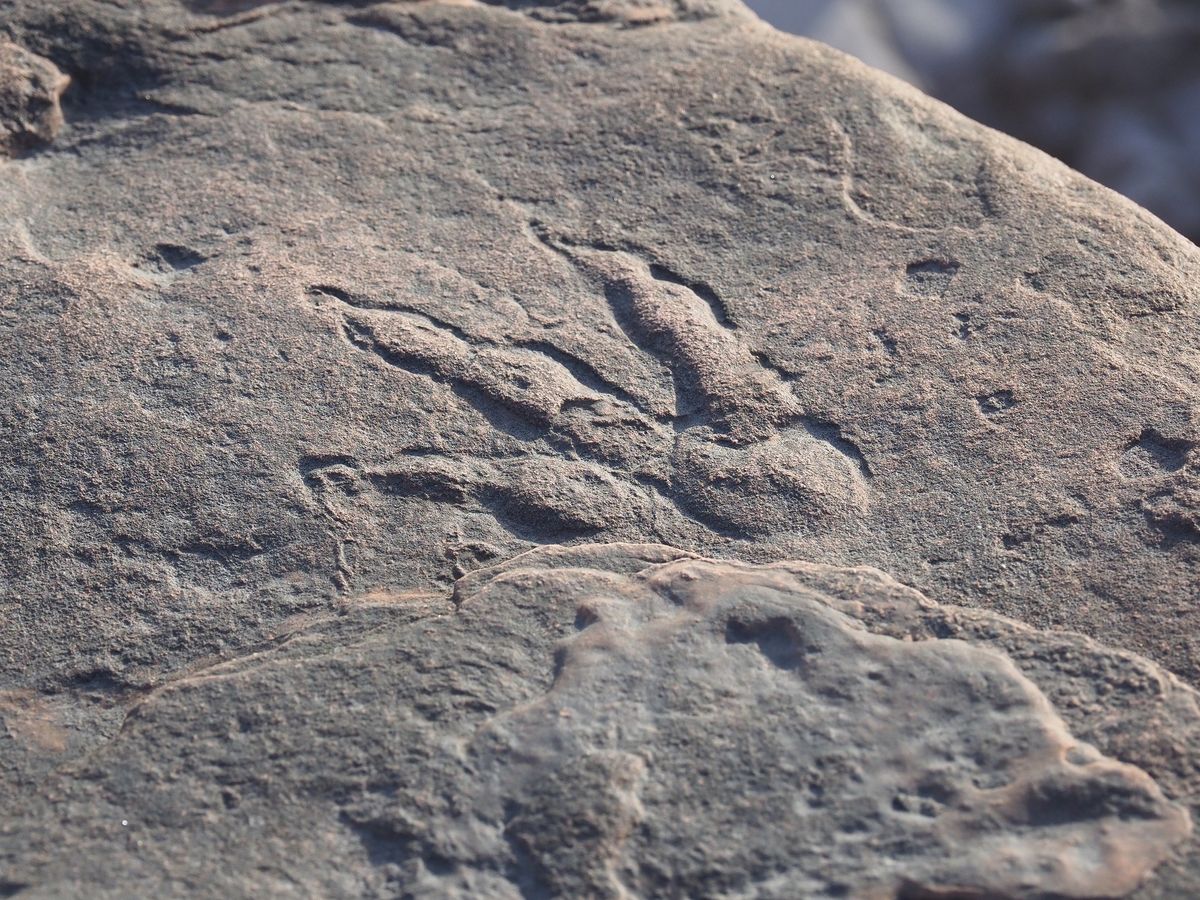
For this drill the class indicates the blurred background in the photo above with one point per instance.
(1111, 87)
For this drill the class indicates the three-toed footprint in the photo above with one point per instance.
(735, 452)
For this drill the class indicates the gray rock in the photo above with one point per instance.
(629, 720)
(30, 88)
(307, 303)
(314, 296)
(1112, 88)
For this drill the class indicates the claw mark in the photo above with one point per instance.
(179, 257)
(26, 243)
(831, 433)
(582, 372)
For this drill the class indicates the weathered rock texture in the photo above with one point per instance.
(29, 90)
(626, 720)
(307, 303)
(1112, 87)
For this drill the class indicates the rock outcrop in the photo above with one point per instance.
(628, 720)
(30, 88)
(312, 312)
(1111, 88)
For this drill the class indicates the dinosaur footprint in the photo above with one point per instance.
(735, 453)
(746, 455)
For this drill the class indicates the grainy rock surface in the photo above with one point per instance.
(29, 90)
(627, 720)
(1111, 87)
(312, 303)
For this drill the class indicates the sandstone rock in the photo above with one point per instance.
(629, 720)
(1111, 88)
(318, 297)
(315, 302)
(29, 90)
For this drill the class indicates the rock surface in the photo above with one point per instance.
(1112, 88)
(308, 303)
(30, 88)
(628, 720)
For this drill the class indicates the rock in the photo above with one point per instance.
(1111, 88)
(631, 720)
(312, 298)
(315, 302)
(29, 90)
